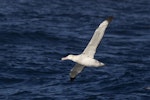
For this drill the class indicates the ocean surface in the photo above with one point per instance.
(35, 34)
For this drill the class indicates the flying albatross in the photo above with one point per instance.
(86, 58)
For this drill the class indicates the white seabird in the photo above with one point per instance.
(86, 59)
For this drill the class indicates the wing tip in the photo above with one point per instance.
(72, 79)
(110, 18)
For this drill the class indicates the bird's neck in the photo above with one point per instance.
(74, 58)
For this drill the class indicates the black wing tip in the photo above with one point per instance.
(110, 18)
(72, 79)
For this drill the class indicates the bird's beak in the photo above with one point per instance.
(102, 64)
(64, 58)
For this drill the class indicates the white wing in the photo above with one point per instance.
(76, 70)
(98, 34)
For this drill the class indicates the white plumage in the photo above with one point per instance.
(86, 59)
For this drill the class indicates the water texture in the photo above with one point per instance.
(35, 34)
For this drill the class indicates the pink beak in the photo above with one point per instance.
(64, 58)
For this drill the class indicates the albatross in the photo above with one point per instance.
(86, 58)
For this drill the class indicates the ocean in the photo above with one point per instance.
(36, 34)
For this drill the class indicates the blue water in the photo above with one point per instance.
(35, 34)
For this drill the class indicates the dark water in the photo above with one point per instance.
(35, 34)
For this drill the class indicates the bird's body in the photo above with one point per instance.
(86, 59)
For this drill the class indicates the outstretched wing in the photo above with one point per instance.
(98, 34)
(75, 71)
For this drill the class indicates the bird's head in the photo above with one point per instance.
(69, 57)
